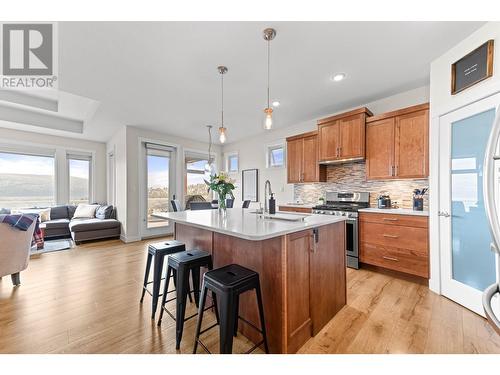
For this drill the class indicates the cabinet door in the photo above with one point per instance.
(328, 274)
(310, 168)
(380, 149)
(412, 145)
(294, 160)
(297, 286)
(352, 137)
(329, 143)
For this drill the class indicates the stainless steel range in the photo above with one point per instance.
(346, 204)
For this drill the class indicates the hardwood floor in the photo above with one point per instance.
(86, 300)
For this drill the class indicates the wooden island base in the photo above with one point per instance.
(302, 276)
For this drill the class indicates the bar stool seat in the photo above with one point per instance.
(183, 264)
(228, 283)
(158, 251)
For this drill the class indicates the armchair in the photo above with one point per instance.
(14, 250)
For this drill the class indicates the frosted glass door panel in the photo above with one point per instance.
(473, 263)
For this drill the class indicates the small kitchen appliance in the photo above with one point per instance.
(384, 201)
(346, 204)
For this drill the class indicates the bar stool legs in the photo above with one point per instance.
(202, 302)
(146, 275)
(261, 314)
(228, 283)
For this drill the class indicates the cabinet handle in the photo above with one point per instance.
(389, 219)
(390, 236)
(390, 258)
(396, 169)
(392, 171)
(340, 151)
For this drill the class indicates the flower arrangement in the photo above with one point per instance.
(223, 186)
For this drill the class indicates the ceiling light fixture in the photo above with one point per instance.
(269, 35)
(222, 130)
(276, 103)
(337, 77)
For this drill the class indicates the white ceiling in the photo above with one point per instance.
(162, 75)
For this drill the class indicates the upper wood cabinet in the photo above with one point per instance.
(397, 144)
(342, 137)
(302, 159)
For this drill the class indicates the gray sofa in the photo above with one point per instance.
(62, 224)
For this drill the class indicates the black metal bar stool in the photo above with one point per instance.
(158, 251)
(183, 264)
(228, 283)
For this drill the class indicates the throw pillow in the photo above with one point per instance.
(43, 213)
(104, 212)
(85, 211)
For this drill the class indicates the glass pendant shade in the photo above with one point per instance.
(222, 134)
(268, 121)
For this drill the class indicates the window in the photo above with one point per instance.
(26, 180)
(275, 156)
(79, 178)
(159, 168)
(232, 163)
(196, 176)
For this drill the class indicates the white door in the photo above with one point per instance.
(158, 188)
(468, 266)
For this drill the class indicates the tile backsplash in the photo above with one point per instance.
(352, 177)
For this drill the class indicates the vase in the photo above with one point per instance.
(222, 207)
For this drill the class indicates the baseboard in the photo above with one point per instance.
(126, 239)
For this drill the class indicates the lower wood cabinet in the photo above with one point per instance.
(305, 210)
(396, 242)
(316, 281)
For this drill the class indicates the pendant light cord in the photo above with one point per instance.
(268, 69)
(222, 114)
(209, 145)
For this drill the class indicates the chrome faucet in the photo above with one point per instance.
(267, 190)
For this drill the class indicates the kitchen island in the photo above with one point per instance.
(301, 265)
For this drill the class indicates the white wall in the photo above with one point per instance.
(252, 152)
(443, 102)
(62, 145)
(118, 145)
(129, 164)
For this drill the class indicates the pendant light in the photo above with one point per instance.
(209, 167)
(269, 35)
(222, 130)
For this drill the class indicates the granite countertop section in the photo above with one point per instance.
(244, 224)
(395, 211)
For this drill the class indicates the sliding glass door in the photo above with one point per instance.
(159, 188)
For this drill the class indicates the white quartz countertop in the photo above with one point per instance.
(244, 224)
(395, 211)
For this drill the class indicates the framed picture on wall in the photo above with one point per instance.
(250, 185)
(472, 68)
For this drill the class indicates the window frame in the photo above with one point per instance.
(37, 152)
(202, 156)
(82, 157)
(269, 149)
(230, 155)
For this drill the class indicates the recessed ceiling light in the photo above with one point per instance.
(276, 103)
(337, 77)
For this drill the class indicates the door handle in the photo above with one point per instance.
(444, 214)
